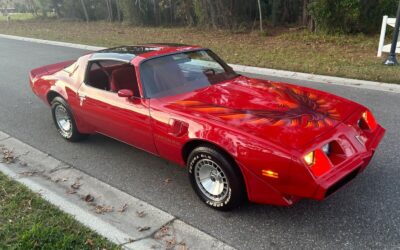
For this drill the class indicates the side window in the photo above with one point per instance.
(97, 76)
(112, 76)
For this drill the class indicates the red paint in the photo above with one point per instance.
(267, 127)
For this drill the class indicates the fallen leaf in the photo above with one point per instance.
(164, 231)
(103, 209)
(89, 198)
(71, 191)
(170, 243)
(182, 246)
(123, 208)
(141, 229)
(76, 185)
(89, 242)
(140, 214)
(8, 156)
(29, 173)
(168, 180)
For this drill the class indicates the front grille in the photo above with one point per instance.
(342, 182)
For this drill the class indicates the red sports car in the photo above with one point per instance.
(240, 137)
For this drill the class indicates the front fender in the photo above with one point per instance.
(265, 167)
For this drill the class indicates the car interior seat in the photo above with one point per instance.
(124, 78)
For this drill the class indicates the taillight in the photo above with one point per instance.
(367, 121)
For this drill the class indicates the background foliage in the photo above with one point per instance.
(333, 16)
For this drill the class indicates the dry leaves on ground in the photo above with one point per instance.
(71, 191)
(8, 156)
(99, 209)
(88, 198)
(123, 208)
(164, 231)
(29, 173)
(76, 185)
(61, 179)
(89, 242)
(140, 214)
(141, 229)
(170, 243)
(182, 246)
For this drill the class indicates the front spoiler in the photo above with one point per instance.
(343, 174)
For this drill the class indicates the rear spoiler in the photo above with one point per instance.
(49, 69)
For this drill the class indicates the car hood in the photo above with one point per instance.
(278, 112)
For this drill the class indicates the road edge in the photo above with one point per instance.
(44, 174)
(371, 85)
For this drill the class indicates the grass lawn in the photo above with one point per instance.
(29, 222)
(17, 16)
(352, 56)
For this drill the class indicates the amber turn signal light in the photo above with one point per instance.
(309, 158)
(369, 119)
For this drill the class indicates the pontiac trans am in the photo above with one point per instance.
(240, 138)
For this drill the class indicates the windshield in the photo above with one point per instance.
(183, 72)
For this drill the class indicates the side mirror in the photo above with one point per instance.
(125, 93)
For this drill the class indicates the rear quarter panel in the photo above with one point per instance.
(53, 80)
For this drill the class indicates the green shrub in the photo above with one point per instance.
(350, 16)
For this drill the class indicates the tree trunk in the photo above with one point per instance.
(305, 13)
(212, 14)
(118, 6)
(275, 11)
(85, 11)
(261, 18)
(110, 10)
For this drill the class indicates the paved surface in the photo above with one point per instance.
(363, 215)
(98, 205)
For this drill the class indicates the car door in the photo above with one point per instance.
(122, 118)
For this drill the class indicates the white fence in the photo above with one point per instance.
(382, 47)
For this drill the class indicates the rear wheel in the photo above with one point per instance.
(215, 178)
(64, 120)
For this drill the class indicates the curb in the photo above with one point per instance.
(49, 42)
(121, 218)
(378, 86)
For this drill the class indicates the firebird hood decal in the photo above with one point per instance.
(296, 108)
(278, 112)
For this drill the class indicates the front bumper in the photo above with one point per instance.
(349, 169)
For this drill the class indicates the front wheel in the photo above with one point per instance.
(64, 120)
(215, 178)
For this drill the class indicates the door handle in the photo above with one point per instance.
(82, 97)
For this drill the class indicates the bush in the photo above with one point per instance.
(350, 16)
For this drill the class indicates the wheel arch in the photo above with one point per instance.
(194, 143)
(53, 93)
(189, 146)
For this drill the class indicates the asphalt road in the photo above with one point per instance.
(365, 214)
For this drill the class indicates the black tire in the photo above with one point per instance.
(225, 171)
(72, 134)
